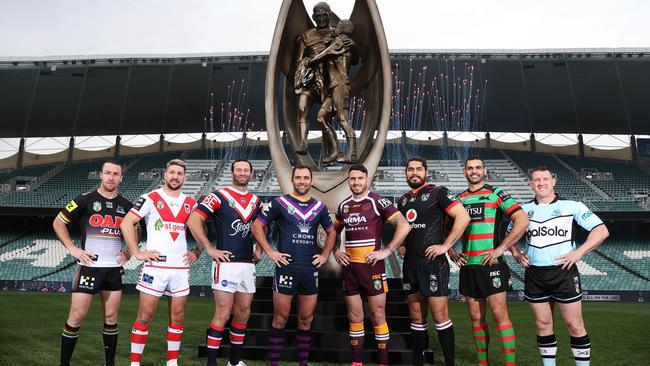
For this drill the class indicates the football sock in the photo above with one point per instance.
(68, 341)
(547, 348)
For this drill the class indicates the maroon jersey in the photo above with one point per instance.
(363, 220)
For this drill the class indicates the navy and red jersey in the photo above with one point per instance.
(233, 213)
(425, 209)
(363, 220)
(298, 223)
(100, 219)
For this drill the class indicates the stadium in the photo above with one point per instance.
(583, 113)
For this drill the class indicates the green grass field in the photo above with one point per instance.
(32, 322)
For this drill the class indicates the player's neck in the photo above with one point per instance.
(361, 195)
(107, 194)
(240, 189)
(170, 192)
(300, 197)
(473, 187)
(545, 200)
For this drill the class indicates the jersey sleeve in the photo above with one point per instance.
(338, 216)
(326, 220)
(210, 204)
(585, 217)
(506, 203)
(269, 213)
(386, 208)
(446, 199)
(74, 209)
(142, 207)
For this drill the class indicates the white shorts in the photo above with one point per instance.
(158, 281)
(233, 277)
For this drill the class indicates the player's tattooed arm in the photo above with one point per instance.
(260, 234)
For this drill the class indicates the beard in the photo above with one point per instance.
(415, 185)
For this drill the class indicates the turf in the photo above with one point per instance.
(32, 323)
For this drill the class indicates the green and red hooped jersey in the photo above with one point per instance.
(486, 207)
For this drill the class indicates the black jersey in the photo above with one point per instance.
(99, 219)
(425, 209)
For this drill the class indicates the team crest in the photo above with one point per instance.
(496, 282)
(377, 284)
(160, 204)
(366, 206)
(187, 207)
(97, 206)
(433, 285)
(242, 200)
(576, 280)
(425, 197)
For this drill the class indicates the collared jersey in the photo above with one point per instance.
(233, 213)
(165, 217)
(363, 220)
(99, 218)
(298, 226)
(551, 229)
(486, 207)
(425, 209)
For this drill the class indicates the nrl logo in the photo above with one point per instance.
(231, 203)
(291, 210)
(97, 206)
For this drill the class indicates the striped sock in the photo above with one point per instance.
(508, 347)
(213, 342)
(303, 341)
(237, 334)
(276, 339)
(68, 342)
(547, 348)
(174, 337)
(109, 334)
(418, 341)
(446, 339)
(382, 336)
(357, 335)
(139, 336)
(581, 349)
(481, 342)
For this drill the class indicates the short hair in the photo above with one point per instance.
(540, 168)
(300, 166)
(177, 162)
(232, 166)
(114, 162)
(358, 167)
(322, 6)
(416, 158)
(474, 157)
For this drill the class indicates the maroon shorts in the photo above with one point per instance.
(363, 279)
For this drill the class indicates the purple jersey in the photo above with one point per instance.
(363, 220)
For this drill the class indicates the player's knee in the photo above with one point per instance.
(441, 316)
(544, 324)
(501, 317)
(241, 315)
(378, 316)
(476, 316)
(279, 321)
(576, 327)
(304, 321)
(75, 319)
(110, 317)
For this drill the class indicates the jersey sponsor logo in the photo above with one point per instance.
(120, 210)
(411, 215)
(138, 205)
(406, 286)
(71, 206)
(97, 206)
(109, 224)
(476, 211)
(355, 219)
(503, 195)
(586, 215)
(109, 204)
(86, 282)
(285, 281)
(531, 213)
(404, 200)
(147, 278)
(544, 231)
(450, 196)
(211, 201)
(484, 198)
(304, 227)
(385, 202)
(239, 227)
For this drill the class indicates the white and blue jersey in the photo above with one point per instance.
(551, 229)
(298, 223)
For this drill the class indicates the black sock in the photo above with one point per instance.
(110, 343)
(68, 341)
(581, 349)
(418, 342)
(446, 339)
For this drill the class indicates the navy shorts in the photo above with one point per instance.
(289, 280)
(430, 279)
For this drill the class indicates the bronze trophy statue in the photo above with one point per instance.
(324, 55)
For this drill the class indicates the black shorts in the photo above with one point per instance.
(429, 278)
(295, 281)
(479, 282)
(364, 279)
(552, 283)
(91, 280)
